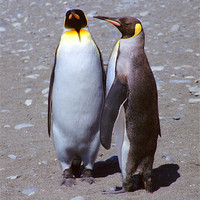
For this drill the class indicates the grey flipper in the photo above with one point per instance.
(116, 96)
(50, 96)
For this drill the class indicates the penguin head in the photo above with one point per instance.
(128, 26)
(75, 19)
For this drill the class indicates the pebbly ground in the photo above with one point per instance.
(29, 34)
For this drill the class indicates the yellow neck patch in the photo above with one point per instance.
(138, 29)
(73, 37)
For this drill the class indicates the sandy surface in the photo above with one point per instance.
(29, 33)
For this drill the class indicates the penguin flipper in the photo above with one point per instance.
(116, 97)
(50, 102)
(50, 96)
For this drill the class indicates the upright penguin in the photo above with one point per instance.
(76, 96)
(131, 105)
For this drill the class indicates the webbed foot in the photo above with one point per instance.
(68, 182)
(147, 181)
(87, 176)
(68, 178)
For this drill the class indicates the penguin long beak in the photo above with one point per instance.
(112, 20)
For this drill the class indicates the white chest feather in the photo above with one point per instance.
(77, 90)
(111, 68)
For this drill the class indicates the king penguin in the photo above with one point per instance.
(131, 105)
(76, 96)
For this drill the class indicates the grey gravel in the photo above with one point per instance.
(176, 117)
(78, 198)
(30, 191)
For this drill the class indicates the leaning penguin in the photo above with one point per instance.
(76, 96)
(131, 105)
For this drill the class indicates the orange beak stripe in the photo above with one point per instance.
(113, 22)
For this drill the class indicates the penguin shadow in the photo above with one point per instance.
(163, 176)
(107, 167)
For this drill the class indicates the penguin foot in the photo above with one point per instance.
(114, 190)
(148, 186)
(87, 176)
(68, 178)
(76, 167)
(147, 182)
(68, 182)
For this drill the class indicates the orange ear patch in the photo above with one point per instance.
(70, 16)
(113, 22)
(76, 16)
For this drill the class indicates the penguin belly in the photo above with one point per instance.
(77, 101)
(121, 140)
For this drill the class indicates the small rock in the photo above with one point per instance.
(173, 99)
(2, 29)
(179, 81)
(194, 100)
(189, 50)
(30, 191)
(197, 94)
(19, 15)
(28, 102)
(194, 89)
(175, 28)
(168, 158)
(13, 177)
(20, 40)
(6, 126)
(27, 90)
(26, 58)
(46, 90)
(176, 117)
(40, 67)
(160, 34)
(197, 80)
(20, 126)
(92, 13)
(177, 68)
(78, 198)
(5, 111)
(44, 113)
(186, 66)
(16, 24)
(46, 102)
(12, 156)
(145, 13)
(33, 76)
(157, 68)
(43, 162)
(189, 77)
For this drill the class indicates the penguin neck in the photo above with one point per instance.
(135, 42)
(72, 36)
(72, 29)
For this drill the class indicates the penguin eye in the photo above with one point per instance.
(126, 24)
